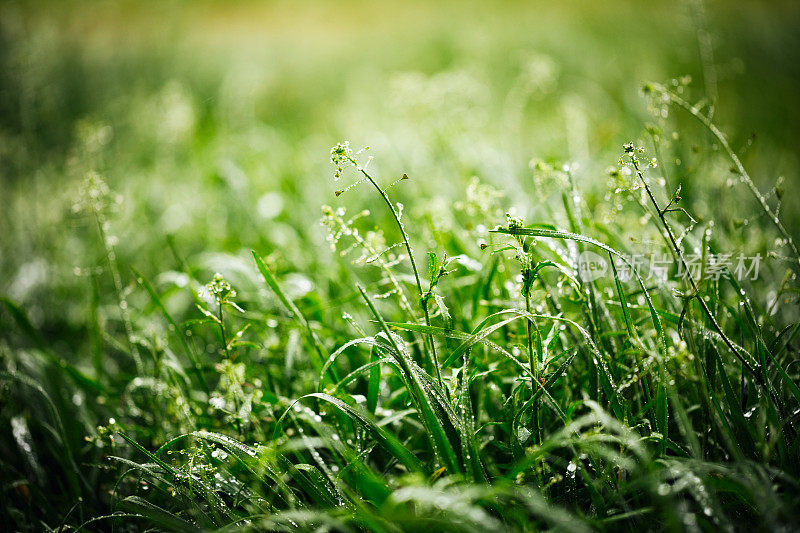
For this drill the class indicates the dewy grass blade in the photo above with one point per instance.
(373, 388)
(157, 515)
(272, 283)
(430, 345)
(661, 393)
(423, 393)
(176, 329)
(385, 439)
(556, 234)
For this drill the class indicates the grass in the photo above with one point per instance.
(187, 343)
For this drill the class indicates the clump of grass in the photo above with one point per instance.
(622, 412)
(511, 389)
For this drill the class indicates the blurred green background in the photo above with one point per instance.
(212, 121)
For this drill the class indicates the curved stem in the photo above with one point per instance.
(745, 177)
(673, 242)
(113, 266)
(423, 303)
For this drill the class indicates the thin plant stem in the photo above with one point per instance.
(744, 176)
(221, 317)
(695, 291)
(111, 254)
(382, 264)
(534, 363)
(407, 242)
(531, 357)
(679, 254)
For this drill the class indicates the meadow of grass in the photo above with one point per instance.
(217, 314)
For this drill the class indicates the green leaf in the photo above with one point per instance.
(295, 313)
(157, 515)
(383, 437)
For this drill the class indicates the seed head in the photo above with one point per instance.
(341, 156)
(220, 289)
(95, 196)
(513, 222)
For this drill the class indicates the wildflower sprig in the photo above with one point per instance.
(374, 249)
(95, 196)
(436, 271)
(529, 271)
(222, 293)
(658, 101)
(482, 200)
(623, 175)
(97, 200)
(549, 177)
(221, 290)
(341, 155)
(522, 254)
(694, 294)
(673, 95)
